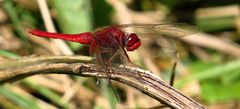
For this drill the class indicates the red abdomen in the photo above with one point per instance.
(83, 38)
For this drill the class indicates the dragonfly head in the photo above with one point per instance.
(132, 42)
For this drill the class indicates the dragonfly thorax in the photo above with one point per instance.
(109, 37)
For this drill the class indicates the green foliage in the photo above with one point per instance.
(52, 96)
(8, 6)
(74, 16)
(8, 54)
(218, 82)
(216, 24)
(108, 92)
(102, 13)
(23, 102)
(216, 91)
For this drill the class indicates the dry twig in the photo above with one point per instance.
(148, 83)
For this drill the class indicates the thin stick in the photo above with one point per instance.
(173, 72)
(61, 45)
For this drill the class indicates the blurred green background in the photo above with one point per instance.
(209, 70)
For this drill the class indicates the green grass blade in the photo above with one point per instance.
(21, 101)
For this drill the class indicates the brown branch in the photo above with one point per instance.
(148, 83)
(25, 61)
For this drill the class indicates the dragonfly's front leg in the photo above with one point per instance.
(113, 56)
(109, 69)
(112, 53)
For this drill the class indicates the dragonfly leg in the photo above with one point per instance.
(109, 72)
(98, 61)
(97, 78)
(112, 57)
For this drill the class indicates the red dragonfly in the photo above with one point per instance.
(111, 42)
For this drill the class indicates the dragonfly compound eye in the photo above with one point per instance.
(133, 42)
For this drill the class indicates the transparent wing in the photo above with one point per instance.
(119, 53)
(164, 35)
(171, 29)
(112, 53)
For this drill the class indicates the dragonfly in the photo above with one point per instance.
(111, 43)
